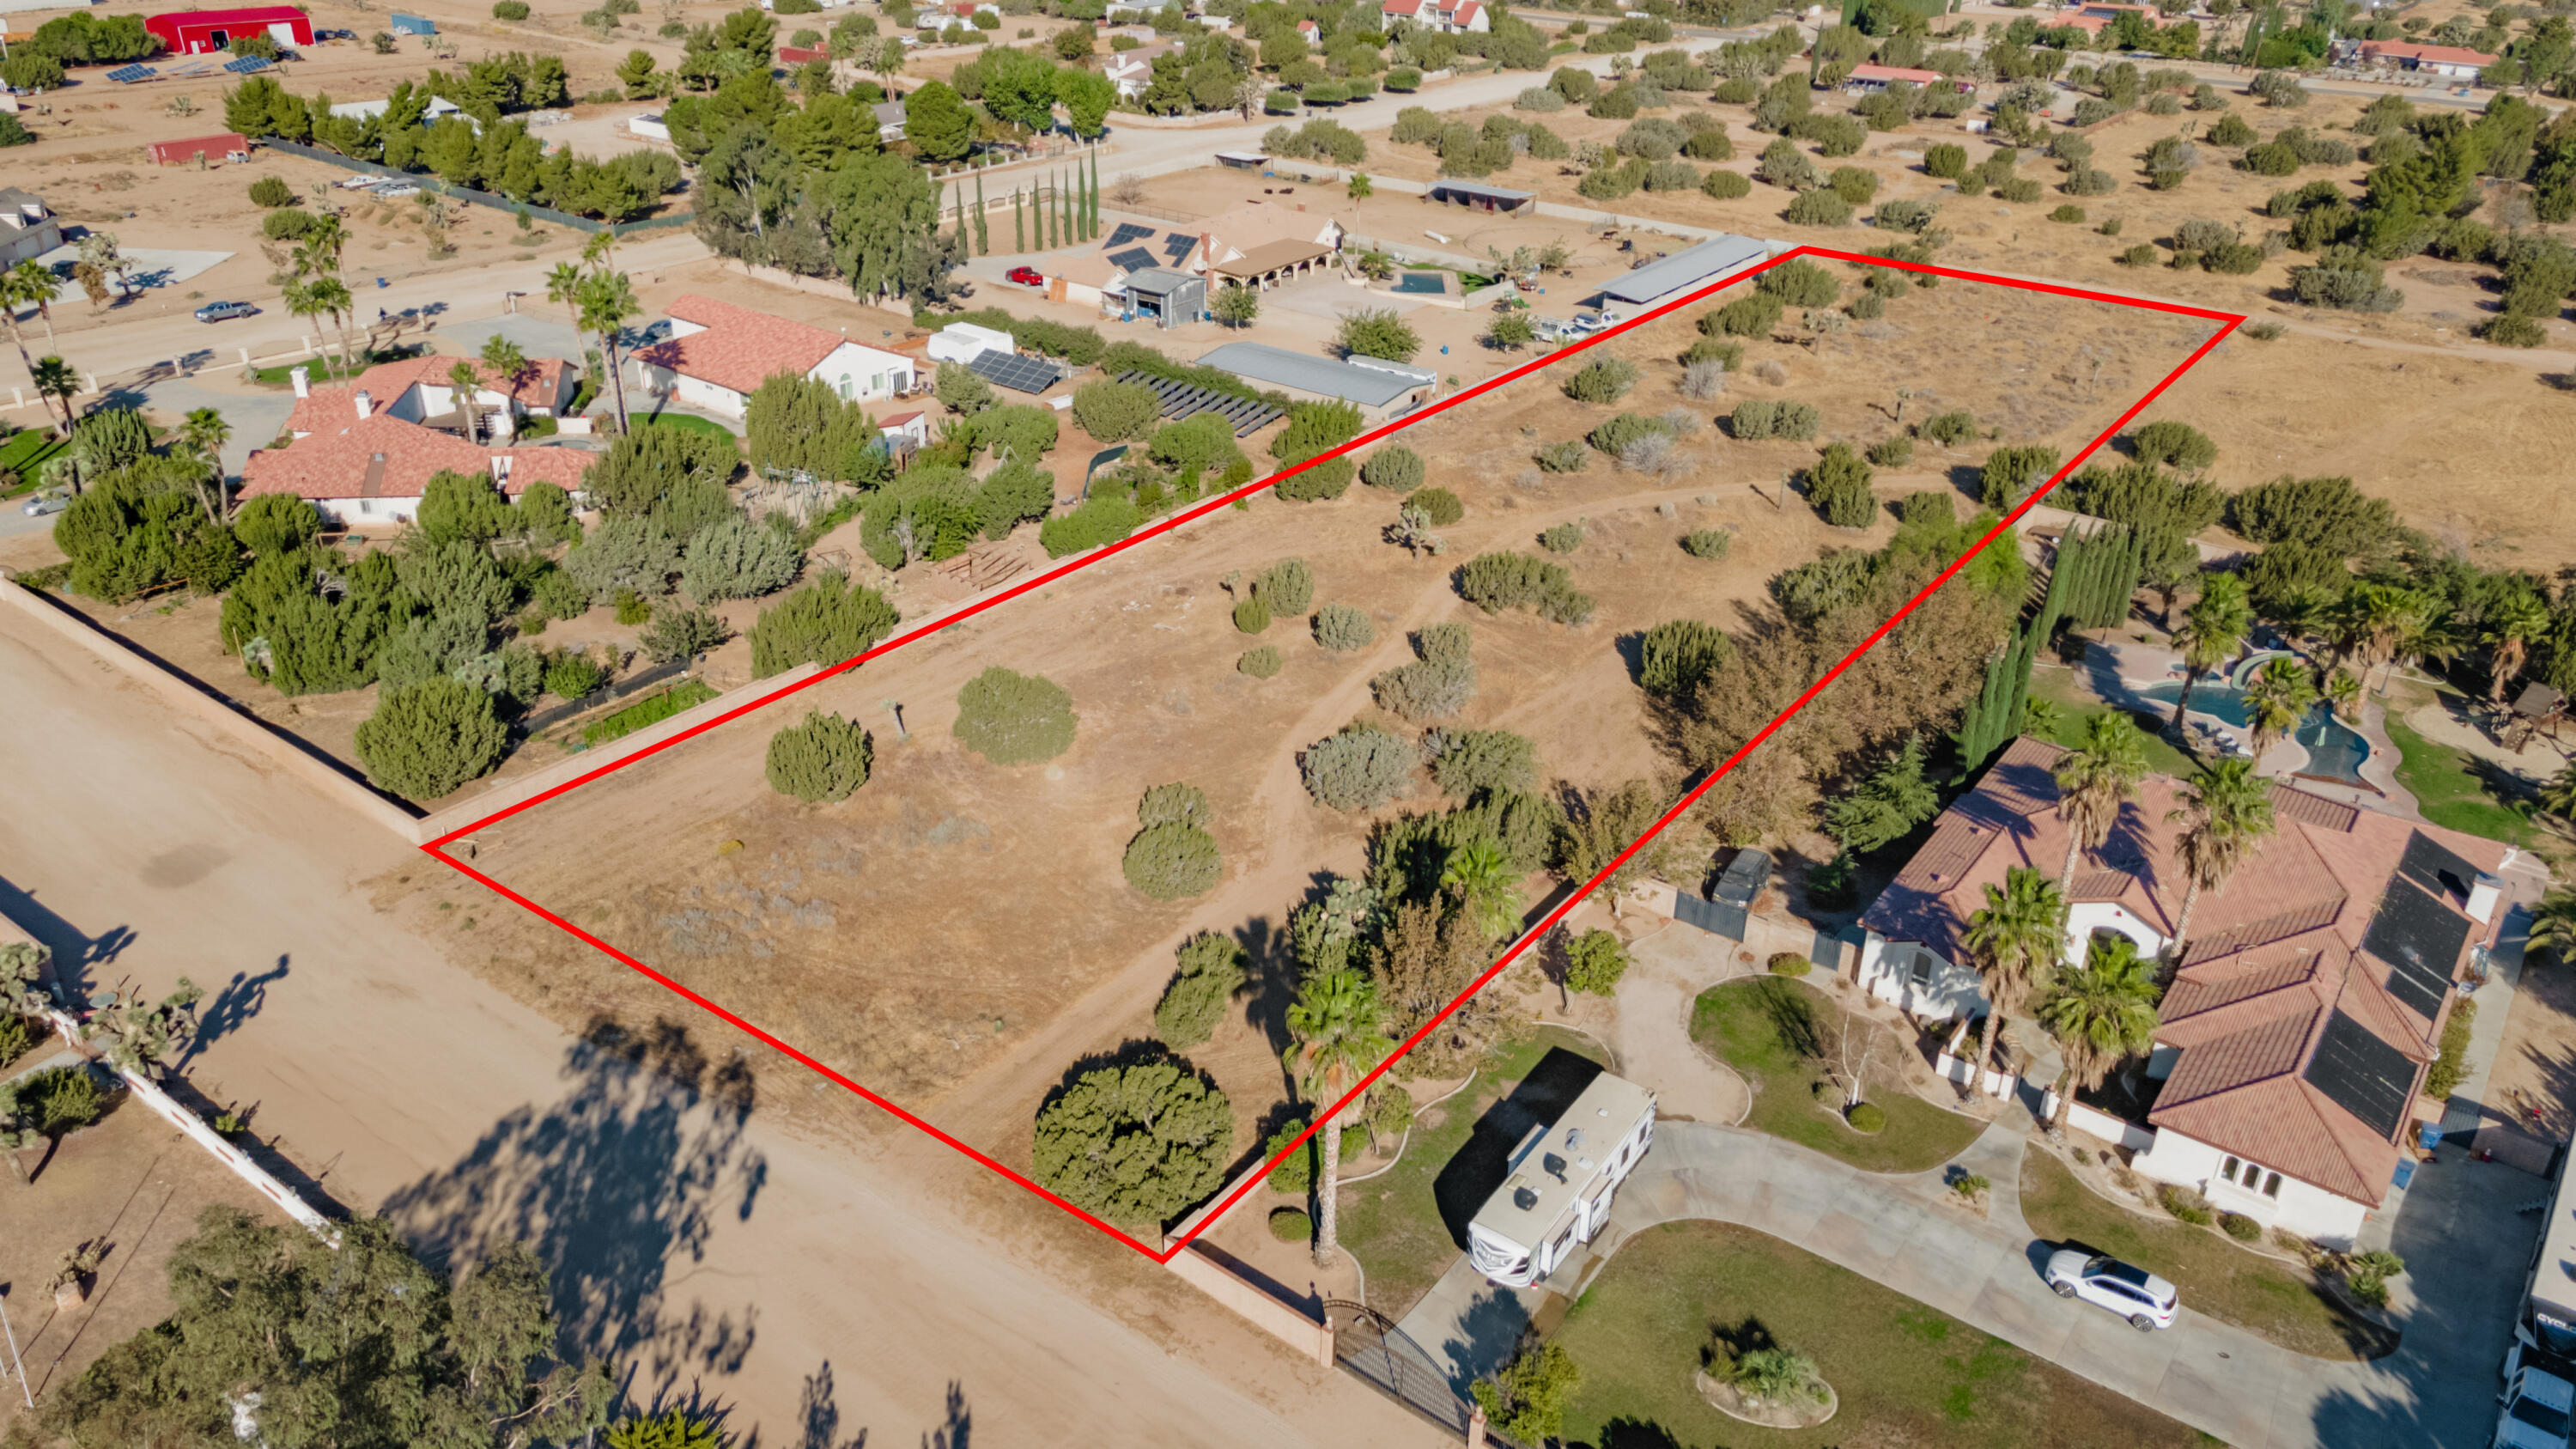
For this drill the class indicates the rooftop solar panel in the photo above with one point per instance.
(2420, 938)
(1134, 259)
(2362, 1074)
(2436, 867)
(1177, 245)
(1127, 231)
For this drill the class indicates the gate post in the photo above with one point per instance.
(1476, 1428)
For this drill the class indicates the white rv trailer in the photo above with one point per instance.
(1556, 1194)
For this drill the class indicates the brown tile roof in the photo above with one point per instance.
(740, 347)
(385, 457)
(2277, 952)
(325, 408)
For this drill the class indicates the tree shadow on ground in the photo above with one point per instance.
(622, 1178)
(231, 1008)
(1484, 1162)
(74, 952)
(1489, 1334)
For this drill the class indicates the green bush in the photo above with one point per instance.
(2240, 1227)
(1112, 411)
(1014, 719)
(425, 741)
(828, 621)
(686, 695)
(1473, 762)
(1868, 1118)
(1721, 184)
(1287, 586)
(1321, 481)
(2185, 1204)
(1295, 1174)
(1602, 380)
(1570, 456)
(1394, 467)
(1135, 1144)
(1291, 1225)
(1494, 582)
(1948, 162)
(1172, 861)
(1211, 972)
(1838, 487)
(1892, 452)
(1748, 316)
(1261, 663)
(1789, 964)
(1594, 962)
(1439, 506)
(1251, 614)
(1708, 543)
(2067, 211)
(270, 192)
(59, 1100)
(1343, 628)
(1760, 418)
(1563, 538)
(509, 9)
(1800, 283)
(291, 223)
(824, 758)
(1818, 208)
(1104, 518)
(1361, 768)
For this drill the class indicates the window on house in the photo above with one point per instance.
(1919, 974)
(2272, 1185)
(2228, 1168)
(848, 387)
(366, 505)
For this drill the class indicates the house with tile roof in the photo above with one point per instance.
(363, 452)
(718, 354)
(2453, 61)
(2303, 1011)
(28, 227)
(1448, 16)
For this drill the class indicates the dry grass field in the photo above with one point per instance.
(957, 933)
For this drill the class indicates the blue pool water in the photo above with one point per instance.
(2220, 700)
(2335, 750)
(1423, 282)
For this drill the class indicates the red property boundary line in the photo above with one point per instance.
(437, 848)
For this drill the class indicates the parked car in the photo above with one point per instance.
(1028, 276)
(2538, 1399)
(392, 190)
(2147, 1301)
(39, 507)
(225, 311)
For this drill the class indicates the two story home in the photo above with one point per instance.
(2306, 1005)
(1447, 16)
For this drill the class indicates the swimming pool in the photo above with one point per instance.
(1423, 282)
(2335, 750)
(2224, 701)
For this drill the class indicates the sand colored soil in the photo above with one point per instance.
(957, 933)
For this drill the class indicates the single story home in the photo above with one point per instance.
(204, 32)
(1117, 8)
(28, 227)
(439, 108)
(1381, 389)
(2288, 1065)
(890, 120)
(1133, 70)
(1261, 240)
(2454, 62)
(1871, 77)
(1447, 16)
(363, 452)
(966, 341)
(718, 354)
(1678, 275)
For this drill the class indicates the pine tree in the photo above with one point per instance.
(965, 242)
(983, 243)
(1019, 224)
(1095, 191)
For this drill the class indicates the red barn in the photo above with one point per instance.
(199, 32)
(213, 148)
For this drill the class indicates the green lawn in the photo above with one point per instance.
(1407, 1226)
(323, 371)
(25, 454)
(2259, 1294)
(688, 694)
(2449, 790)
(1755, 1026)
(1905, 1375)
(2058, 686)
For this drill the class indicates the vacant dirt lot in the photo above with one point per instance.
(957, 933)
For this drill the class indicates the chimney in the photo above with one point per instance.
(303, 379)
(366, 404)
(2483, 896)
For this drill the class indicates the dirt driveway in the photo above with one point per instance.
(819, 1279)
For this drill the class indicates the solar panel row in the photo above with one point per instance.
(1134, 259)
(2362, 1074)
(1184, 400)
(1127, 231)
(129, 74)
(1020, 374)
(247, 64)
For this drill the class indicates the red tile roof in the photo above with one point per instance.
(740, 347)
(385, 457)
(386, 382)
(2438, 54)
(1897, 73)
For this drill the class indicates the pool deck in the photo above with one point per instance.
(2114, 670)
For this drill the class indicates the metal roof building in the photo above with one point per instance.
(1685, 271)
(1380, 388)
(1477, 194)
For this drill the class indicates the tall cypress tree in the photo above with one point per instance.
(965, 241)
(983, 242)
(1095, 191)
(1055, 234)
(1019, 224)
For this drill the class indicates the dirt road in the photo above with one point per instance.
(824, 1289)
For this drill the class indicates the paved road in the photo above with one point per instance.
(859, 1284)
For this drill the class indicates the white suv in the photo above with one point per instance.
(2147, 1301)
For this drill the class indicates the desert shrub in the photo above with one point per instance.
(1440, 507)
(735, 558)
(2345, 278)
(1760, 418)
(1789, 964)
(509, 9)
(1616, 433)
(2185, 1204)
(826, 622)
(291, 223)
(2326, 514)
(1707, 543)
(1563, 538)
(1783, 165)
(1677, 656)
(1818, 208)
(1709, 143)
(1723, 185)
(1800, 283)
(1252, 613)
(1138, 1143)
(1261, 662)
(1361, 768)
(1014, 719)
(424, 741)
(1570, 456)
(271, 192)
(1426, 689)
(824, 758)
(1494, 582)
(1320, 481)
(1833, 135)
(2240, 1227)
(1594, 962)
(1838, 487)
(2175, 444)
(1893, 452)
(1945, 161)
(1748, 316)
(1868, 1118)
(1703, 378)
(1951, 428)
(1396, 468)
(1540, 99)
(1209, 975)
(1671, 176)
(1602, 380)
(1854, 184)
(2068, 212)
(1903, 215)
(2140, 255)
(2021, 190)
(1111, 411)
(1342, 628)
(1172, 861)
(1287, 586)
(59, 1100)
(1103, 518)
(1473, 762)
(2231, 130)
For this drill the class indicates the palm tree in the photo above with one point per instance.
(331, 295)
(204, 434)
(13, 294)
(2213, 629)
(1488, 891)
(2373, 620)
(2278, 696)
(37, 283)
(510, 365)
(2042, 717)
(2094, 780)
(2101, 1013)
(2225, 810)
(2343, 695)
(465, 377)
(55, 379)
(563, 288)
(2558, 797)
(2014, 940)
(301, 301)
(2553, 925)
(1339, 1026)
(2512, 622)
(607, 304)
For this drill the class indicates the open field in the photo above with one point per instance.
(1904, 1373)
(1019, 948)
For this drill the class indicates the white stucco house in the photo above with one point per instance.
(718, 354)
(2309, 1000)
(28, 227)
(1447, 16)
